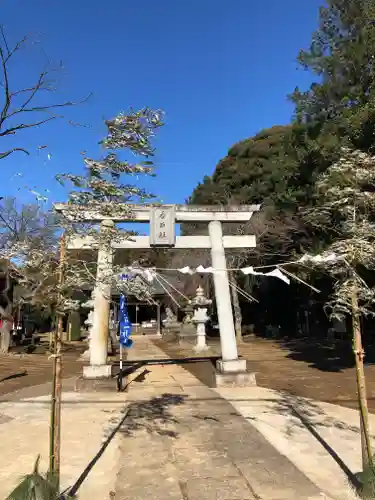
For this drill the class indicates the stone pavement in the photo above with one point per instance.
(321, 439)
(180, 440)
(183, 441)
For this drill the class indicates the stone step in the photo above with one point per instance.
(144, 331)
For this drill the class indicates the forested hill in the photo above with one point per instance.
(249, 173)
(277, 167)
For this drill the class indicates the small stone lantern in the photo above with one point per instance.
(200, 305)
(89, 304)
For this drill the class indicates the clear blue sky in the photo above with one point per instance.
(220, 69)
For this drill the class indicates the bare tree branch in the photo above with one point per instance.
(12, 107)
(13, 150)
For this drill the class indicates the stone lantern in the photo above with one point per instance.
(200, 305)
(89, 304)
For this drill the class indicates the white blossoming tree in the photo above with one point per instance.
(345, 209)
(101, 189)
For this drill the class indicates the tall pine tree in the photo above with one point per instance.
(341, 56)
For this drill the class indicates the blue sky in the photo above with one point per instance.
(220, 69)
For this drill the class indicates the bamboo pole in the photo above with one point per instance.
(361, 382)
(57, 421)
(53, 405)
(55, 431)
(158, 318)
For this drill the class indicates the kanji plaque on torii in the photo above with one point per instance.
(162, 226)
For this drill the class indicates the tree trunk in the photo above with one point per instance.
(361, 382)
(236, 309)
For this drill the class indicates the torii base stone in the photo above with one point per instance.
(233, 374)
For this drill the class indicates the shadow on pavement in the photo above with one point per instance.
(71, 492)
(349, 474)
(152, 415)
(310, 416)
(14, 375)
(200, 367)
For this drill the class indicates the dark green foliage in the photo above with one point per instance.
(254, 171)
(340, 102)
(266, 170)
(367, 480)
(341, 56)
(36, 487)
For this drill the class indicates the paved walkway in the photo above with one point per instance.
(183, 441)
(180, 440)
(321, 439)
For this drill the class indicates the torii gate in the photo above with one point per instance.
(162, 219)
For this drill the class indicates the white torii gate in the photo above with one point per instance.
(162, 220)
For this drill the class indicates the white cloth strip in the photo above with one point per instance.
(150, 273)
(204, 270)
(186, 270)
(276, 273)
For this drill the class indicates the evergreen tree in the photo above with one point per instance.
(341, 57)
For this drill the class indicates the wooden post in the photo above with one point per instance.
(55, 445)
(158, 319)
(361, 382)
(53, 406)
(236, 308)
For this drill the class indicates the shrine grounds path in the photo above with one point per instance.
(182, 440)
(317, 371)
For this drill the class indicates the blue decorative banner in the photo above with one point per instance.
(125, 325)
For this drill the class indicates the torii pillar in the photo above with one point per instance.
(229, 361)
(231, 370)
(98, 346)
